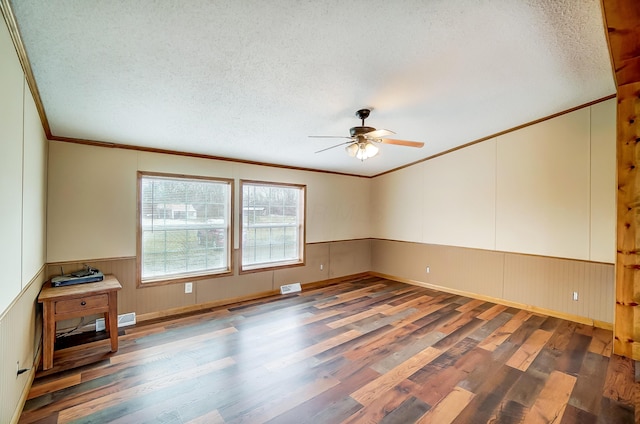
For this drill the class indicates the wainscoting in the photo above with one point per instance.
(20, 336)
(338, 259)
(544, 283)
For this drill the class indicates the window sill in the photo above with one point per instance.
(183, 278)
(270, 267)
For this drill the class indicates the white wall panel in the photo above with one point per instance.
(91, 209)
(459, 197)
(543, 192)
(397, 205)
(34, 198)
(603, 181)
(11, 113)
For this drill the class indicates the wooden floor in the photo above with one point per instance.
(371, 351)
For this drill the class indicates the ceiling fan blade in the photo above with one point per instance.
(378, 133)
(401, 142)
(327, 136)
(337, 145)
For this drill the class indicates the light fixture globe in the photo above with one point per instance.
(371, 149)
(352, 149)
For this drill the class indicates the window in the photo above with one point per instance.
(184, 227)
(272, 225)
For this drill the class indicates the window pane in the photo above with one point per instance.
(185, 226)
(272, 218)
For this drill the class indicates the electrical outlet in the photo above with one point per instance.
(321, 267)
(188, 287)
(575, 296)
(428, 270)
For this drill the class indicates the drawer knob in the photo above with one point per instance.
(83, 303)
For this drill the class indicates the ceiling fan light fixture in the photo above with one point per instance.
(371, 149)
(352, 149)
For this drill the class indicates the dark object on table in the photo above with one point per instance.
(86, 275)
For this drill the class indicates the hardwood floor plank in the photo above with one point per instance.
(273, 407)
(87, 408)
(601, 342)
(571, 360)
(54, 385)
(489, 395)
(552, 401)
(445, 411)
(407, 412)
(312, 350)
(409, 350)
(492, 312)
(529, 350)
(359, 316)
(504, 332)
(573, 415)
(150, 354)
(369, 392)
(592, 375)
(212, 417)
(332, 405)
(612, 411)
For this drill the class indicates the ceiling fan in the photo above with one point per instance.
(362, 141)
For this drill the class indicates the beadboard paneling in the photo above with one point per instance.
(340, 258)
(349, 257)
(550, 283)
(537, 281)
(20, 335)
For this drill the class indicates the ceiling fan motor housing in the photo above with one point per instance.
(356, 131)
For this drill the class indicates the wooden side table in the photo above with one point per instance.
(75, 301)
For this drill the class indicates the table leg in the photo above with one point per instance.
(48, 336)
(111, 320)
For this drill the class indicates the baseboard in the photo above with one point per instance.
(256, 296)
(27, 387)
(531, 308)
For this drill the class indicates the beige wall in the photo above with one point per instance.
(543, 186)
(92, 198)
(23, 170)
(546, 191)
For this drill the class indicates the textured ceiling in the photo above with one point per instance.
(252, 79)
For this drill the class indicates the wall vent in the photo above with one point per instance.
(290, 288)
(124, 320)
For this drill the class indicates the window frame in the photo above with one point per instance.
(183, 277)
(302, 230)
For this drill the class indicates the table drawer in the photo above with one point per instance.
(82, 304)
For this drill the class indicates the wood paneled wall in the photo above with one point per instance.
(621, 19)
(526, 280)
(338, 259)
